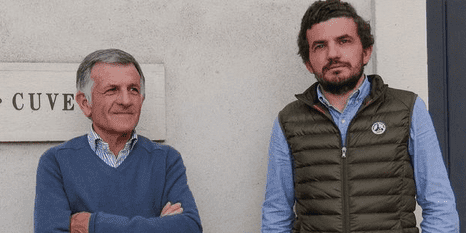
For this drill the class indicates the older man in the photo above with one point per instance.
(351, 154)
(113, 180)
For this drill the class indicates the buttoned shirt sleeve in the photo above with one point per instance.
(434, 192)
(277, 209)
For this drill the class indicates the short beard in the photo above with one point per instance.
(338, 88)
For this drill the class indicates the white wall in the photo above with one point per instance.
(230, 67)
(401, 44)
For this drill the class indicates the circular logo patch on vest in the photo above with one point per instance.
(378, 127)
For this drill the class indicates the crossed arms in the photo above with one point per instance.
(59, 207)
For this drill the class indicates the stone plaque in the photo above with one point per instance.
(37, 103)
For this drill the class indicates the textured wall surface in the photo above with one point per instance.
(402, 39)
(230, 67)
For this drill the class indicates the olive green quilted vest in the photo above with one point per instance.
(366, 186)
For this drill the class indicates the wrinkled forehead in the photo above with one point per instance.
(115, 74)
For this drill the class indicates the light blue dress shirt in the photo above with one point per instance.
(102, 149)
(434, 192)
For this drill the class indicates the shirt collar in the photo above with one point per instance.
(94, 139)
(359, 94)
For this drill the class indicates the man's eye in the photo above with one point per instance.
(319, 46)
(344, 41)
(110, 91)
(134, 89)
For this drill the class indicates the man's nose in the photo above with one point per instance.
(333, 51)
(124, 97)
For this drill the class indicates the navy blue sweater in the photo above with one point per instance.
(71, 178)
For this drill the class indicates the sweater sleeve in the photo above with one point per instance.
(51, 211)
(176, 190)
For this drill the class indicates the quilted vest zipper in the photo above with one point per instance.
(344, 188)
(344, 177)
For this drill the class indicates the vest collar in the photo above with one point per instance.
(310, 98)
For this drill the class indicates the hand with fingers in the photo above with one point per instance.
(79, 222)
(170, 209)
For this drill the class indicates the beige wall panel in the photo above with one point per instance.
(37, 102)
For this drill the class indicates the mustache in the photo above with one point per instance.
(334, 64)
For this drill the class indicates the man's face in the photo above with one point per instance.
(336, 56)
(116, 98)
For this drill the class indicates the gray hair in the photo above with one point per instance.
(84, 83)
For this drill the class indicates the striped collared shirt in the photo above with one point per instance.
(102, 148)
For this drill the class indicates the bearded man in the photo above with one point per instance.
(351, 154)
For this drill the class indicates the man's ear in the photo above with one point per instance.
(367, 55)
(84, 104)
(309, 67)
